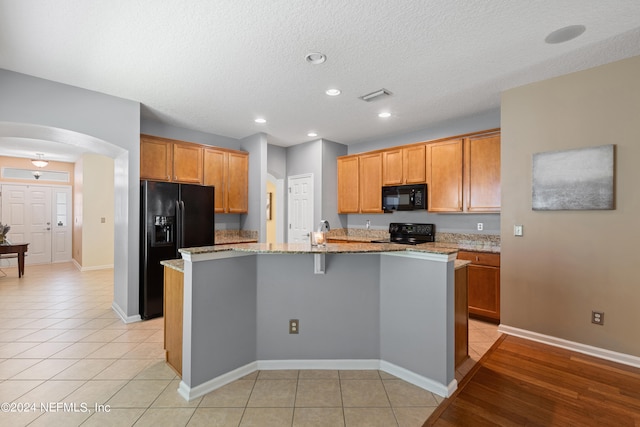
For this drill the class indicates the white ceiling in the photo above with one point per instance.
(214, 66)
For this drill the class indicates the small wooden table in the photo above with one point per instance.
(18, 249)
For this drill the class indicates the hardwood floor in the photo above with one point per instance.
(522, 382)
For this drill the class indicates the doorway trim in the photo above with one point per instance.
(125, 271)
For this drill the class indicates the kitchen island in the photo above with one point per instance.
(358, 306)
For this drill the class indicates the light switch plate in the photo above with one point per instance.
(517, 230)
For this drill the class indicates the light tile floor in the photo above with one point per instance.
(67, 359)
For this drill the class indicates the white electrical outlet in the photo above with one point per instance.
(480, 226)
(517, 230)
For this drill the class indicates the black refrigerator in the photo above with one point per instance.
(172, 216)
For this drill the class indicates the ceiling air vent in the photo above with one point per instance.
(379, 94)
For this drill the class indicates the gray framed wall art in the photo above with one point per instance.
(578, 179)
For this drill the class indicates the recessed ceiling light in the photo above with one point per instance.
(260, 120)
(312, 134)
(315, 58)
(333, 92)
(384, 115)
(565, 34)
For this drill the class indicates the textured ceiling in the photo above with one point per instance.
(214, 66)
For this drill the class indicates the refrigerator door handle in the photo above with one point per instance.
(181, 223)
(178, 226)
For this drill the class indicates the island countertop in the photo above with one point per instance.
(329, 248)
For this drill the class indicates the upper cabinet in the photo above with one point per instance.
(228, 172)
(348, 184)
(404, 165)
(360, 183)
(371, 183)
(187, 163)
(462, 174)
(156, 158)
(444, 163)
(163, 159)
(482, 173)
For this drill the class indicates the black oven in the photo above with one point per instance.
(404, 197)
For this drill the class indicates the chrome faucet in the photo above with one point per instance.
(324, 226)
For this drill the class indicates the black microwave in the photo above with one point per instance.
(404, 197)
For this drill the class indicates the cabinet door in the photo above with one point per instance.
(482, 173)
(392, 173)
(348, 185)
(156, 159)
(173, 306)
(187, 163)
(444, 165)
(484, 291)
(215, 165)
(371, 183)
(238, 183)
(414, 160)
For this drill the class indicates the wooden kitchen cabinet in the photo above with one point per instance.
(482, 173)
(163, 159)
(444, 166)
(187, 163)
(156, 158)
(404, 165)
(348, 184)
(228, 172)
(484, 284)
(173, 308)
(370, 183)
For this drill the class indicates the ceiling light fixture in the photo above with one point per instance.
(312, 134)
(565, 34)
(315, 58)
(39, 162)
(260, 120)
(384, 114)
(333, 92)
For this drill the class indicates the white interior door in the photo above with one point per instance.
(29, 210)
(300, 208)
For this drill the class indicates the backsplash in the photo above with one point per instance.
(463, 239)
(235, 236)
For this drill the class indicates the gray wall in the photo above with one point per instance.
(348, 294)
(331, 150)
(255, 219)
(303, 159)
(104, 124)
(152, 127)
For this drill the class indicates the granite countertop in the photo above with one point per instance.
(176, 264)
(330, 248)
(463, 246)
(233, 240)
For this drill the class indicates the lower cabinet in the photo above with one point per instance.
(173, 303)
(484, 284)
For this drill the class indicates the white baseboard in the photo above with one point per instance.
(418, 380)
(126, 319)
(443, 390)
(189, 393)
(95, 267)
(320, 364)
(625, 359)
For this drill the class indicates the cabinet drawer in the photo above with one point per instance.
(481, 258)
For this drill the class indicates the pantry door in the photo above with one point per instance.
(300, 208)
